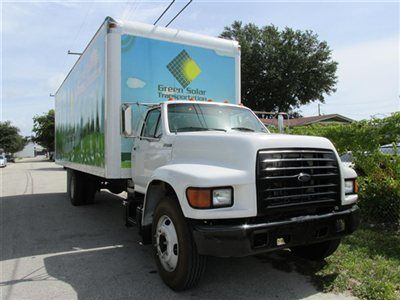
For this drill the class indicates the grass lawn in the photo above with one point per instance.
(367, 264)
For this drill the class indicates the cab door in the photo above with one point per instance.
(149, 150)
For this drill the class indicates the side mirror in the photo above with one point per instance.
(126, 117)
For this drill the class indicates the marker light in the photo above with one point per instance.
(226, 101)
(171, 99)
(355, 186)
(210, 100)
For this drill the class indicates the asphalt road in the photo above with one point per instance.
(52, 250)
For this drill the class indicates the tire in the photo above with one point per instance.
(185, 267)
(81, 188)
(90, 189)
(317, 251)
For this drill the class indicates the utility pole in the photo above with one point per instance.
(319, 109)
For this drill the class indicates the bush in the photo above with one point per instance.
(380, 188)
(363, 136)
(379, 174)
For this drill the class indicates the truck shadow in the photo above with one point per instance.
(89, 248)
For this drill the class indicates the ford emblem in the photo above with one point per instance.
(304, 177)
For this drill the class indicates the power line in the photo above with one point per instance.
(134, 9)
(83, 23)
(179, 13)
(163, 12)
(129, 9)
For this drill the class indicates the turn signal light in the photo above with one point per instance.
(199, 197)
(355, 186)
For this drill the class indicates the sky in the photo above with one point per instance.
(363, 35)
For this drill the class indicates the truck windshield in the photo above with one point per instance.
(185, 117)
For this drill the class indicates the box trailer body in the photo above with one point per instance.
(135, 64)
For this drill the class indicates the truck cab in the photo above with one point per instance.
(216, 182)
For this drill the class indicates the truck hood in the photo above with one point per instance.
(236, 149)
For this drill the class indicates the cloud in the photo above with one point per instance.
(12, 14)
(141, 12)
(135, 83)
(368, 80)
(54, 82)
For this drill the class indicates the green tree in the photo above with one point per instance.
(43, 128)
(10, 139)
(282, 69)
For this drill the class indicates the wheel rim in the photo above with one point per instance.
(167, 243)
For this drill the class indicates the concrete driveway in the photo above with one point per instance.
(52, 250)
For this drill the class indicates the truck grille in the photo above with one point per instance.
(297, 178)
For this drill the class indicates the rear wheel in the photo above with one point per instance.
(91, 188)
(317, 251)
(178, 262)
(81, 188)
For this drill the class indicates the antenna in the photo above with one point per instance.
(73, 53)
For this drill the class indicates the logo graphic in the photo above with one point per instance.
(304, 177)
(184, 68)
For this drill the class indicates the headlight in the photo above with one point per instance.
(350, 186)
(204, 198)
(222, 197)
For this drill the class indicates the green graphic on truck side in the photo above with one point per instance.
(126, 160)
(80, 109)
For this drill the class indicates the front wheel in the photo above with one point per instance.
(178, 262)
(317, 251)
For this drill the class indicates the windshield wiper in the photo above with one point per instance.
(242, 129)
(193, 128)
(217, 129)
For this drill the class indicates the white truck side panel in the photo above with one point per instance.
(113, 113)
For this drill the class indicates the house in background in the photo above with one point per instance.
(30, 150)
(304, 121)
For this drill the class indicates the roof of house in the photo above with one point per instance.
(309, 120)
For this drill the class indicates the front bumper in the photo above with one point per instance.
(227, 240)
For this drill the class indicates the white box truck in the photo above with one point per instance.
(156, 112)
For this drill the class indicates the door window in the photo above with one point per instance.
(152, 124)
